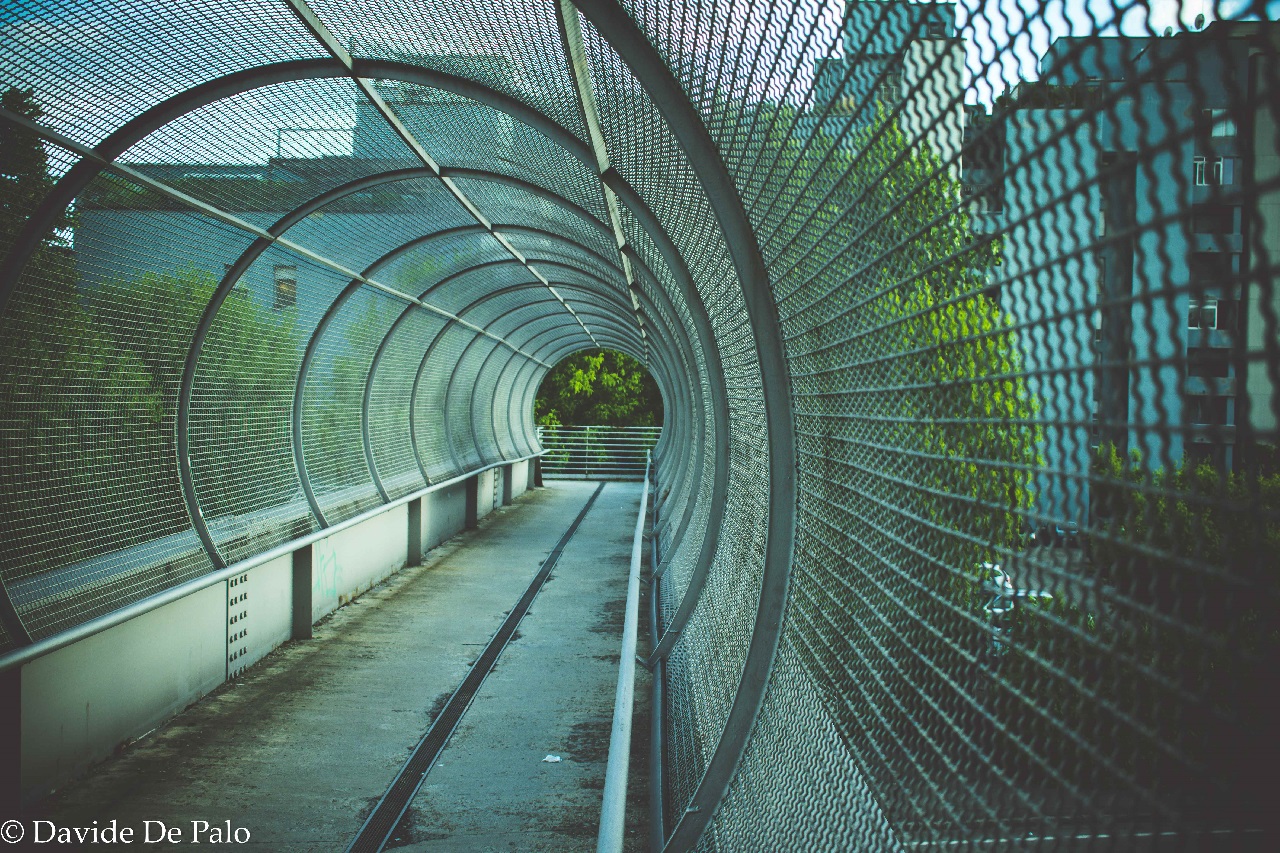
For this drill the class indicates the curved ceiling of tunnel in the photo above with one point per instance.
(516, 223)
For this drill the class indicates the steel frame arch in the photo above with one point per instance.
(658, 289)
(501, 371)
(652, 226)
(434, 343)
(622, 33)
(475, 384)
(160, 114)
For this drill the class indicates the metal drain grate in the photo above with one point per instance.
(384, 819)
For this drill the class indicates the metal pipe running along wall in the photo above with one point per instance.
(969, 360)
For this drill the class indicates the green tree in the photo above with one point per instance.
(68, 398)
(1196, 551)
(89, 382)
(917, 435)
(24, 168)
(600, 388)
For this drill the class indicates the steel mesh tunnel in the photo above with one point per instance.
(967, 495)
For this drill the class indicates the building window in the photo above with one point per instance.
(1224, 171)
(1202, 314)
(1219, 123)
(890, 89)
(1213, 219)
(1208, 363)
(1220, 172)
(286, 287)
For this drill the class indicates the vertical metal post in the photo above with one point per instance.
(473, 500)
(10, 741)
(415, 533)
(302, 586)
(508, 490)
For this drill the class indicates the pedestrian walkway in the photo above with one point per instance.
(300, 749)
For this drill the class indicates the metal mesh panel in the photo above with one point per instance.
(123, 53)
(363, 230)
(333, 398)
(514, 49)
(436, 368)
(445, 124)
(459, 400)
(535, 247)
(388, 415)
(419, 269)
(241, 400)
(94, 516)
(527, 209)
(273, 148)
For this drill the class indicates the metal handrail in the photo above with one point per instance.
(613, 809)
(596, 451)
(52, 643)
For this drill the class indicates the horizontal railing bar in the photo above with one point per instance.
(613, 809)
(83, 631)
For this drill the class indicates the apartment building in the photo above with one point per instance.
(1135, 186)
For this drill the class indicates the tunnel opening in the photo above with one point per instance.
(599, 414)
(599, 388)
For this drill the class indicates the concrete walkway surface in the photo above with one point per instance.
(300, 748)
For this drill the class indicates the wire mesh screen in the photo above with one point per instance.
(1031, 579)
(963, 313)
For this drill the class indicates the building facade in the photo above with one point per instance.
(1133, 167)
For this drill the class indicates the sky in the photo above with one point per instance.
(997, 61)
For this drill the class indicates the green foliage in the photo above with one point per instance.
(89, 391)
(918, 438)
(89, 386)
(24, 167)
(896, 295)
(1188, 559)
(600, 388)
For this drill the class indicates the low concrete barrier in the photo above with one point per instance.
(79, 696)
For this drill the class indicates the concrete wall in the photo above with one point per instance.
(353, 560)
(484, 493)
(520, 475)
(261, 603)
(444, 513)
(80, 703)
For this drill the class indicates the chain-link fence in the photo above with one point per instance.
(964, 317)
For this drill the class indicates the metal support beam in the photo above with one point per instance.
(331, 43)
(576, 56)
(621, 32)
